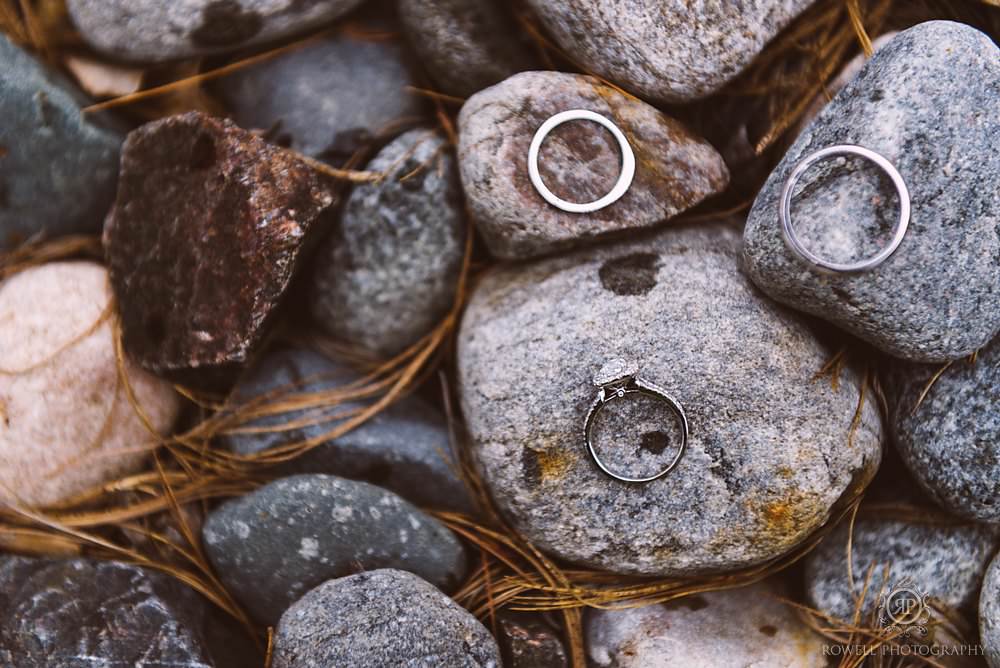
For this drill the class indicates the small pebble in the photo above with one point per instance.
(58, 166)
(404, 448)
(736, 627)
(273, 545)
(154, 31)
(66, 424)
(580, 161)
(206, 235)
(381, 618)
(388, 273)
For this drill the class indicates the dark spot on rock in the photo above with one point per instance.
(531, 470)
(655, 442)
(693, 603)
(202, 152)
(768, 630)
(877, 95)
(633, 274)
(4, 195)
(225, 23)
(45, 109)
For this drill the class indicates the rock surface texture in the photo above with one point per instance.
(943, 562)
(989, 614)
(66, 424)
(329, 98)
(465, 45)
(738, 627)
(275, 544)
(526, 641)
(925, 101)
(207, 232)
(58, 168)
(389, 271)
(949, 437)
(771, 450)
(76, 613)
(405, 448)
(579, 161)
(153, 31)
(381, 618)
(667, 51)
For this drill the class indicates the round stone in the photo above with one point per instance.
(771, 450)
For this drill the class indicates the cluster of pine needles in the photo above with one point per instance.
(151, 518)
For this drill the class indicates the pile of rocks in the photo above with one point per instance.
(217, 230)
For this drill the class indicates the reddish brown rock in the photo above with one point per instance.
(207, 232)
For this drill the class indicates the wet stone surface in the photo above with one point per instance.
(208, 230)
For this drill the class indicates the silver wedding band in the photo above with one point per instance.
(620, 389)
(899, 231)
(624, 178)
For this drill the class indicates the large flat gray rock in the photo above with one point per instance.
(770, 450)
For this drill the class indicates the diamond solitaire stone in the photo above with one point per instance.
(614, 371)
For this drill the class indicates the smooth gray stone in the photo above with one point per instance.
(950, 440)
(79, 612)
(381, 618)
(329, 98)
(944, 562)
(405, 448)
(579, 161)
(770, 450)
(58, 167)
(666, 50)
(155, 31)
(388, 272)
(929, 102)
(271, 546)
(748, 626)
(989, 614)
(465, 45)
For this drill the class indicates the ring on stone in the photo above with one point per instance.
(617, 379)
(627, 166)
(899, 231)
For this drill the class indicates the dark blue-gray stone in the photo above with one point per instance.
(950, 439)
(388, 273)
(404, 448)
(329, 98)
(58, 167)
(928, 101)
(79, 612)
(278, 542)
(378, 619)
(944, 562)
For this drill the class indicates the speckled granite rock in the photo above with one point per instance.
(209, 228)
(274, 544)
(58, 168)
(670, 51)
(769, 452)
(78, 612)
(381, 618)
(950, 440)
(465, 45)
(388, 272)
(404, 448)
(989, 614)
(152, 31)
(579, 161)
(328, 98)
(737, 627)
(944, 562)
(65, 423)
(526, 641)
(925, 101)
